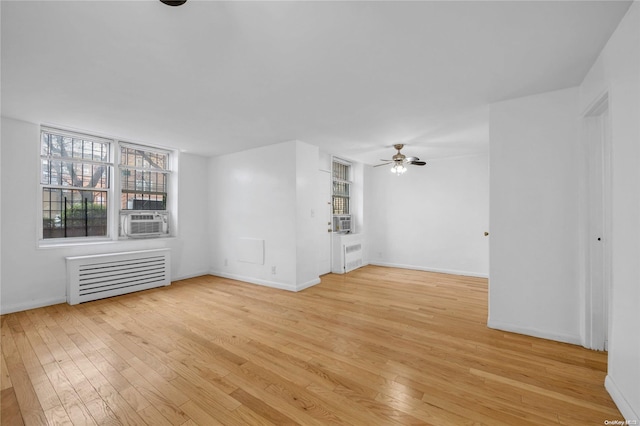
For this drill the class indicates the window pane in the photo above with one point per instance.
(45, 147)
(142, 201)
(80, 175)
(143, 190)
(341, 188)
(143, 159)
(141, 181)
(73, 213)
(340, 205)
(80, 164)
(340, 171)
(59, 146)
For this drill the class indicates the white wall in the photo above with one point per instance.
(307, 161)
(617, 72)
(431, 218)
(190, 254)
(266, 194)
(32, 276)
(535, 159)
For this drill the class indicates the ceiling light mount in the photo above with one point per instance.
(174, 2)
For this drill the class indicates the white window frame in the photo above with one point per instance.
(113, 192)
(348, 181)
(44, 242)
(169, 184)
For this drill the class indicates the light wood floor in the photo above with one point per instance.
(379, 346)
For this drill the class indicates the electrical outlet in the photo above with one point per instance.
(273, 270)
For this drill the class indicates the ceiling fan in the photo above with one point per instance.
(399, 160)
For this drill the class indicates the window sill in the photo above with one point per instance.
(43, 244)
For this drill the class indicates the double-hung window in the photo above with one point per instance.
(83, 197)
(341, 197)
(75, 177)
(144, 178)
(144, 185)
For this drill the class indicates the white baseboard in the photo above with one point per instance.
(621, 402)
(32, 304)
(528, 331)
(428, 269)
(266, 283)
(311, 283)
(186, 277)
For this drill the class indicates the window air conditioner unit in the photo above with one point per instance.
(342, 223)
(144, 224)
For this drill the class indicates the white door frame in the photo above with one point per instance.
(324, 221)
(598, 226)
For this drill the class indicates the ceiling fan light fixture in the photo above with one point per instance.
(400, 161)
(398, 169)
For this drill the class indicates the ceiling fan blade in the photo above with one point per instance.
(411, 159)
(417, 163)
(383, 164)
(385, 159)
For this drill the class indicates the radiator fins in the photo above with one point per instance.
(107, 275)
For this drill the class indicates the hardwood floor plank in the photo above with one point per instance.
(378, 346)
(206, 391)
(134, 398)
(5, 379)
(57, 416)
(389, 415)
(152, 416)
(38, 345)
(28, 401)
(66, 392)
(9, 408)
(122, 410)
(207, 399)
(78, 381)
(37, 376)
(170, 410)
(102, 413)
(259, 407)
(198, 415)
(250, 417)
(299, 416)
(568, 400)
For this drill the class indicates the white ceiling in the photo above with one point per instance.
(353, 78)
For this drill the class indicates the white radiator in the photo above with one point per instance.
(352, 256)
(106, 275)
(348, 252)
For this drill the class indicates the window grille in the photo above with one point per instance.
(75, 172)
(341, 196)
(79, 186)
(144, 178)
(341, 187)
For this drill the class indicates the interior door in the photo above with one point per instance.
(598, 233)
(324, 221)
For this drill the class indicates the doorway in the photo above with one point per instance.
(598, 227)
